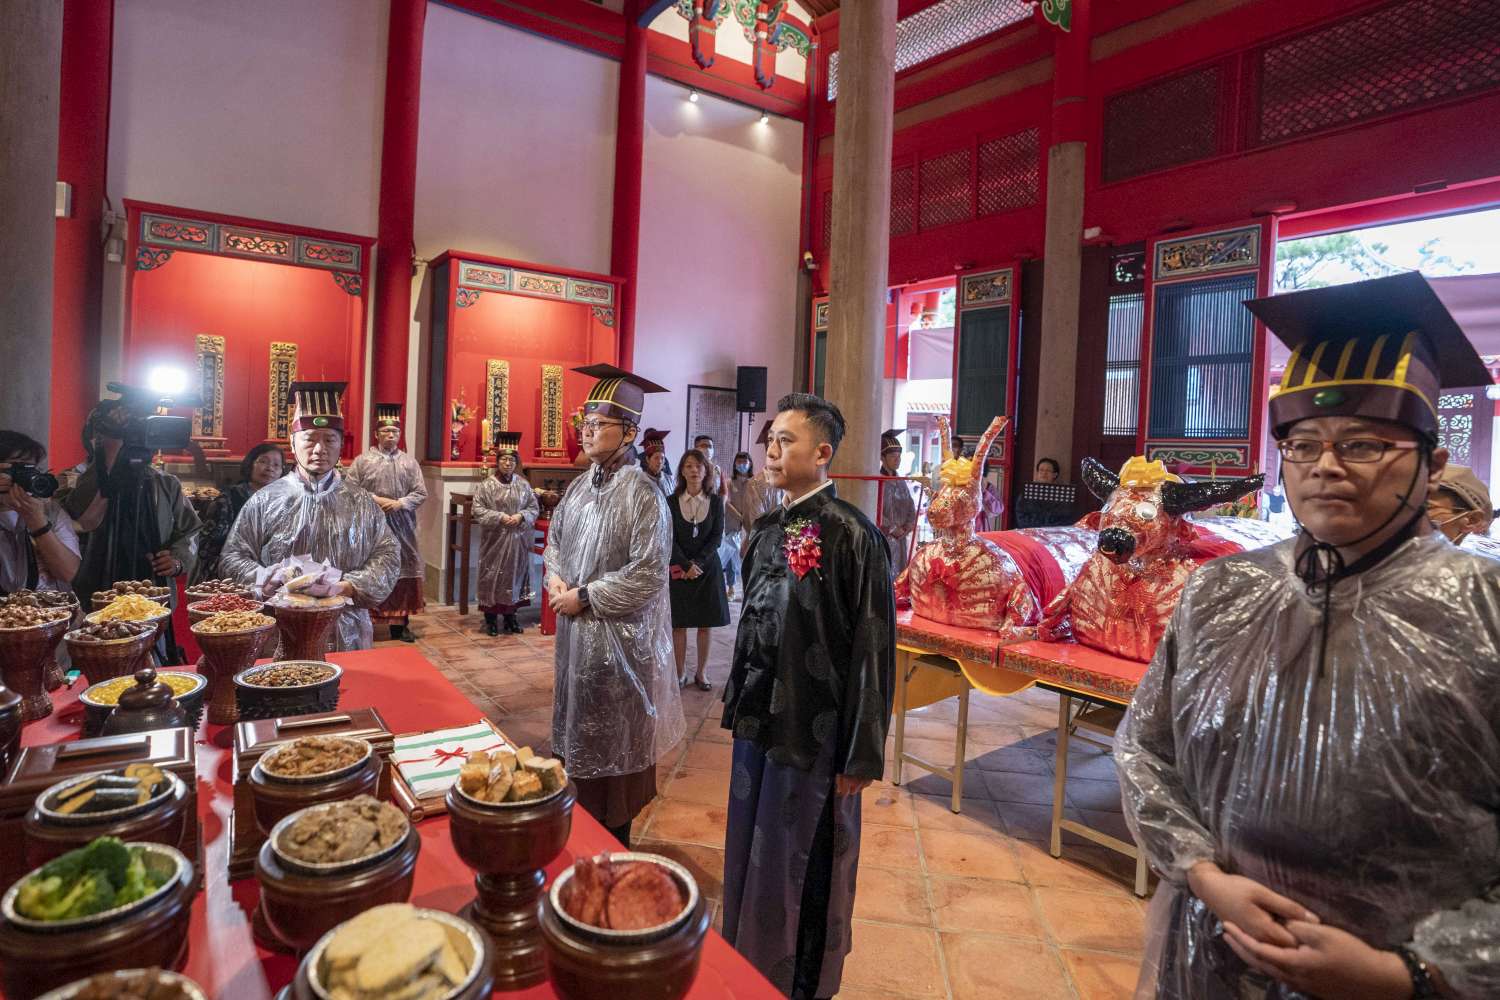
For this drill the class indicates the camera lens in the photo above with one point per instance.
(43, 485)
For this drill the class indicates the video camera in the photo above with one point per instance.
(143, 431)
(32, 480)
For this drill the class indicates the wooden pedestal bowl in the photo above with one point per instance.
(224, 655)
(263, 701)
(39, 956)
(508, 845)
(110, 658)
(659, 963)
(24, 654)
(96, 712)
(55, 676)
(301, 901)
(475, 949)
(50, 833)
(277, 797)
(131, 979)
(305, 632)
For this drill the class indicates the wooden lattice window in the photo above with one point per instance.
(1122, 364)
(1010, 172)
(1202, 345)
(903, 201)
(1398, 57)
(946, 192)
(1163, 124)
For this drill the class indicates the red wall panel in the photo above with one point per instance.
(249, 303)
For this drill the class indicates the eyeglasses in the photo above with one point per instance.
(595, 426)
(1302, 451)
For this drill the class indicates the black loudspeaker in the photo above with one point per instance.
(750, 389)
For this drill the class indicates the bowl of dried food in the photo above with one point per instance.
(626, 925)
(290, 687)
(397, 950)
(99, 699)
(105, 906)
(326, 863)
(308, 771)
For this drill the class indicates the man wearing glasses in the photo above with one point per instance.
(616, 707)
(1312, 762)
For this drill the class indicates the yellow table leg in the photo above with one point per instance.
(1060, 767)
(903, 666)
(961, 744)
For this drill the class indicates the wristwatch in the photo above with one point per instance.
(38, 533)
(1422, 986)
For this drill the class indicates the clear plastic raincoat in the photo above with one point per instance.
(336, 522)
(1370, 794)
(396, 476)
(616, 705)
(505, 552)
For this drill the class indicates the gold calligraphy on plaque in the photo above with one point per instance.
(552, 410)
(208, 418)
(496, 398)
(283, 374)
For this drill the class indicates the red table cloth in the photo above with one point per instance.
(1076, 667)
(412, 696)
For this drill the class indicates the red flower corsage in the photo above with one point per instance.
(803, 546)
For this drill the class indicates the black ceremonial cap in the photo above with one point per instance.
(618, 393)
(507, 442)
(317, 404)
(388, 415)
(891, 440)
(1381, 349)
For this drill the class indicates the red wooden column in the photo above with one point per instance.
(630, 133)
(78, 254)
(398, 185)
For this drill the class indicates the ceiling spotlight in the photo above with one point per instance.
(765, 116)
(693, 96)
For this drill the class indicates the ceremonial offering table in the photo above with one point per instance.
(412, 696)
(935, 662)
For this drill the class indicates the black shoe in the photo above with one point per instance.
(490, 625)
(397, 632)
(407, 635)
(512, 626)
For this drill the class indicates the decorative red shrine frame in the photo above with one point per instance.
(526, 314)
(252, 282)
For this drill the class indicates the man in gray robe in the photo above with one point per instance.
(394, 479)
(1312, 761)
(898, 513)
(317, 511)
(616, 706)
(506, 509)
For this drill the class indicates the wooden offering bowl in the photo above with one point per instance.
(24, 653)
(153, 932)
(276, 798)
(224, 655)
(583, 966)
(298, 904)
(110, 658)
(508, 845)
(305, 632)
(160, 820)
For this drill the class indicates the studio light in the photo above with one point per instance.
(693, 96)
(765, 117)
(167, 380)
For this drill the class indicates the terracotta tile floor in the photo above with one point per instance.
(960, 907)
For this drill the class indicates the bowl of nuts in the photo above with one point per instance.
(231, 642)
(290, 687)
(28, 638)
(102, 651)
(205, 589)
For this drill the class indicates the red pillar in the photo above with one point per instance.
(78, 256)
(1070, 77)
(630, 132)
(398, 185)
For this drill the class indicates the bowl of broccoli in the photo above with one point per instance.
(95, 884)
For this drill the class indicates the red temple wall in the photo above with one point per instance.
(250, 303)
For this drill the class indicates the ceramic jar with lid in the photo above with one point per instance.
(148, 705)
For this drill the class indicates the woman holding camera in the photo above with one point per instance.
(38, 546)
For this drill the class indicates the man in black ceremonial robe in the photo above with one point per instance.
(809, 701)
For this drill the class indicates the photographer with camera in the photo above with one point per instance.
(38, 546)
(139, 523)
